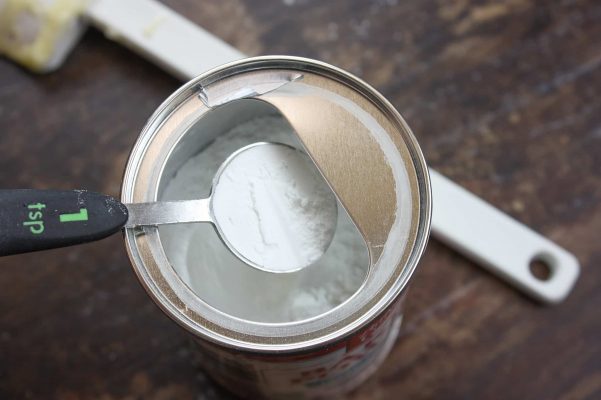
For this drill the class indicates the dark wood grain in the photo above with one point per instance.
(505, 98)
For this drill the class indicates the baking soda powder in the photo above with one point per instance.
(273, 207)
(220, 278)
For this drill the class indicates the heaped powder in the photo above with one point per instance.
(219, 278)
(272, 207)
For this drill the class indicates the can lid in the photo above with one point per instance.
(362, 147)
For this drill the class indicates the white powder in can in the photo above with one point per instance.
(272, 207)
(220, 279)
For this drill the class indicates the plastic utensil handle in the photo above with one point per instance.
(161, 35)
(499, 243)
(32, 220)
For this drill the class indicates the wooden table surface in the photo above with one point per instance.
(504, 97)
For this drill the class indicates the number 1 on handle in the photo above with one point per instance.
(82, 215)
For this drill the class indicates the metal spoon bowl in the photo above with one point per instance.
(284, 245)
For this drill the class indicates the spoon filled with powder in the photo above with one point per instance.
(269, 204)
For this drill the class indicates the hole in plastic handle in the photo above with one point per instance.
(540, 269)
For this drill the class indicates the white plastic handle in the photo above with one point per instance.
(460, 219)
(499, 243)
(161, 35)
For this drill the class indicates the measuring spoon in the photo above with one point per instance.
(269, 205)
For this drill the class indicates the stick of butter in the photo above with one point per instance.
(39, 34)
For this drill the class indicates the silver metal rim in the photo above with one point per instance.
(140, 256)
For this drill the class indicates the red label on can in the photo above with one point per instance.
(322, 372)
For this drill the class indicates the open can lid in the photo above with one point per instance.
(360, 144)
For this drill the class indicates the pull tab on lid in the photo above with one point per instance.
(354, 143)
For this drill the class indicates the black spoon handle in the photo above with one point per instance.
(32, 220)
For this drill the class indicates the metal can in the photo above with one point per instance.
(371, 160)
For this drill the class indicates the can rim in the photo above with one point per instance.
(178, 314)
